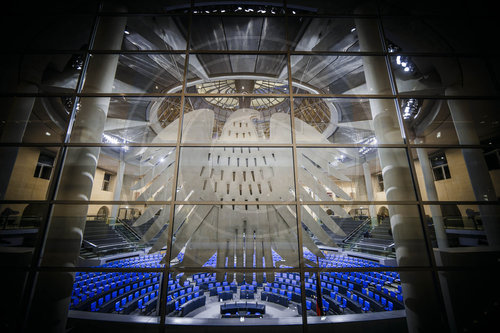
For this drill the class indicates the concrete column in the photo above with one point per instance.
(430, 188)
(369, 192)
(461, 113)
(422, 312)
(118, 189)
(53, 290)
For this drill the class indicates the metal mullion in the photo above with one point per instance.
(296, 177)
(170, 228)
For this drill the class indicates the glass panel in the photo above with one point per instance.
(435, 76)
(35, 119)
(237, 120)
(237, 73)
(131, 293)
(344, 293)
(238, 33)
(379, 233)
(155, 33)
(237, 235)
(235, 174)
(461, 226)
(245, 7)
(338, 74)
(27, 172)
(40, 73)
(122, 173)
(344, 174)
(463, 175)
(328, 34)
(47, 32)
(247, 296)
(130, 120)
(451, 121)
(333, 120)
(134, 73)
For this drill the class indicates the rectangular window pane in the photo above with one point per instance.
(338, 74)
(238, 33)
(380, 233)
(23, 177)
(248, 296)
(35, 119)
(235, 174)
(466, 176)
(138, 173)
(124, 293)
(344, 174)
(236, 120)
(345, 121)
(262, 236)
(134, 73)
(40, 73)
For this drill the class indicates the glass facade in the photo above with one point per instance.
(307, 165)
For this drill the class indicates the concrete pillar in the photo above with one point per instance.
(430, 189)
(422, 311)
(369, 192)
(118, 190)
(51, 300)
(461, 113)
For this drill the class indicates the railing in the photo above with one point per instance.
(129, 228)
(356, 231)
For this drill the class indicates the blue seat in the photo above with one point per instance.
(140, 304)
(118, 308)
(93, 306)
(366, 308)
(308, 305)
(389, 307)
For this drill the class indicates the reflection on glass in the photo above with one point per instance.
(451, 121)
(123, 173)
(235, 174)
(333, 74)
(238, 33)
(380, 233)
(345, 174)
(35, 119)
(155, 33)
(457, 174)
(262, 236)
(452, 225)
(133, 120)
(203, 295)
(134, 294)
(40, 73)
(330, 120)
(236, 120)
(134, 73)
(238, 73)
(328, 34)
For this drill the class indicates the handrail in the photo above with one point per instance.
(129, 228)
(355, 231)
